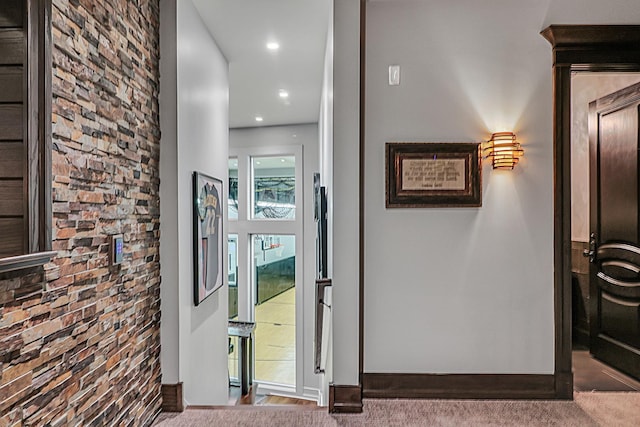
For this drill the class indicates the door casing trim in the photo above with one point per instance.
(613, 48)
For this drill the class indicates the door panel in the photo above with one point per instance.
(619, 176)
(615, 312)
(615, 268)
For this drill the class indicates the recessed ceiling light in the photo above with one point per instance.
(259, 118)
(273, 46)
(283, 93)
(282, 160)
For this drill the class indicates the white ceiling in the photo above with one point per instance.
(242, 29)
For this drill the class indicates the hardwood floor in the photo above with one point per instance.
(590, 374)
(254, 399)
(274, 353)
(275, 341)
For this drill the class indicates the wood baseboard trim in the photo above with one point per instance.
(345, 399)
(465, 386)
(172, 400)
(564, 386)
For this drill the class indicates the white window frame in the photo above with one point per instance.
(246, 226)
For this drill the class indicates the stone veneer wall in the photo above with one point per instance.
(79, 340)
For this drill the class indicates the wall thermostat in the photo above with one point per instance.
(117, 249)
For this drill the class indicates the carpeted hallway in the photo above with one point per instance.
(617, 409)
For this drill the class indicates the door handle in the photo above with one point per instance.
(321, 285)
(591, 252)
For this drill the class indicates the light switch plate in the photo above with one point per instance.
(117, 249)
(394, 75)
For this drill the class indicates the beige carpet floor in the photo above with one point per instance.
(588, 409)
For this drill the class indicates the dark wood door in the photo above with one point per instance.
(615, 230)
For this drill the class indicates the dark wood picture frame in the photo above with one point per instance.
(207, 236)
(429, 175)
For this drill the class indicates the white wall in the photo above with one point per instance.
(472, 283)
(194, 138)
(306, 136)
(344, 190)
(325, 136)
(169, 324)
(587, 87)
(594, 12)
(325, 133)
(474, 287)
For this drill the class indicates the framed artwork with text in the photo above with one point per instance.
(428, 175)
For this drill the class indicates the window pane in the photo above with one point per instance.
(232, 275)
(274, 185)
(275, 309)
(233, 189)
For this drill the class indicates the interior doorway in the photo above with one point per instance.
(595, 48)
(593, 143)
(279, 55)
(266, 264)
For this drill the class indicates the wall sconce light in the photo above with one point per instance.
(504, 150)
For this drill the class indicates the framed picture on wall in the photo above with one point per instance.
(424, 175)
(207, 235)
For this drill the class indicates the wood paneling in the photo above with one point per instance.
(580, 293)
(11, 84)
(579, 262)
(172, 400)
(12, 232)
(345, 399)
(12, 110)
(458, 386)
(11, 47)
(11, 160)
(39, 147)
(11, 13)
(11, 122)
(25, 117)
(11, 198)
